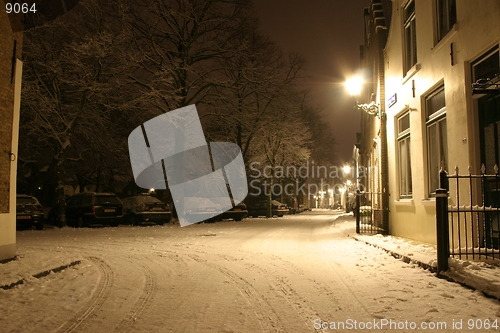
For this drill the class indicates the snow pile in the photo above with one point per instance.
(416, 251)
(481, 276)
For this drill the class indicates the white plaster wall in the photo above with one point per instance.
(476, 31)
(8, 221)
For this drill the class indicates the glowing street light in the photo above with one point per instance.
(354, 86)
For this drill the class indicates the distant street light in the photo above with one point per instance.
(354, 86)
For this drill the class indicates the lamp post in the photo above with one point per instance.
(354, 86)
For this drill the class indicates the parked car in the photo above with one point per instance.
(205, 210)
(29, 212)
(90, 208)
(237, 212)
(260, 208)
(145, 209)
(304, 208)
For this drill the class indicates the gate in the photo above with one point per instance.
(368, 213)
(468, 216)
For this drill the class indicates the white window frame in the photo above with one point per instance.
(440, 145)
(404, 157)
(409, 42)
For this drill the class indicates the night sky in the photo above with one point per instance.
(328, 34)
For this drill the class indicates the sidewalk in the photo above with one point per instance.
(484, 277)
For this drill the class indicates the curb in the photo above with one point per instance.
(41, 274)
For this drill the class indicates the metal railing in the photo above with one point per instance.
(468, 216)
(369, 213)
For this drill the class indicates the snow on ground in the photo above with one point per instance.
(302, 273)
(484, 277)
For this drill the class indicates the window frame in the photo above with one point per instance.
(404, 136)
(485, 57)
(436, 118)
(445, 22)
(409, 41)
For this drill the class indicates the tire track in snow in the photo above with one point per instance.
(141, 304)
(144, 299)
(263, 310)
(281, 284)
(282, 289)
(101, 294)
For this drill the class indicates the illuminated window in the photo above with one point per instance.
(404, 159)
(410, 36)
(446, 16)
(437, 146)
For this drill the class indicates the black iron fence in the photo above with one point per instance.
(369, 213)
(468, 216)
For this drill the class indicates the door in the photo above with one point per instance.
(489, 120)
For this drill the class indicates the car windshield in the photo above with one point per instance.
(106, 199)
(26, 200)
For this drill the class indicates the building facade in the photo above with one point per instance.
(370, 154)
(11, 37)
(442, 102)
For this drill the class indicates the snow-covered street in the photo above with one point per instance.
(299, 273)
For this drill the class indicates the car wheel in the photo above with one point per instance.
(39, 226)
(133, 220)
(79, 222)
(238, 218)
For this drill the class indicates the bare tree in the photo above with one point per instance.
(253, 81)
(71, 92)
(181, 39)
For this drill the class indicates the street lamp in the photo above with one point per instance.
(354, 86)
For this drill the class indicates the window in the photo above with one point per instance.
(487, 67)
(437, 147)
(405, 183)
(446, 15)
(410, 36)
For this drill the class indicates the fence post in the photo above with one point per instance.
(356, 211)
(442, 232)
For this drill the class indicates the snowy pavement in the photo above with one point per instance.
(481, 276)
(302, 273)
